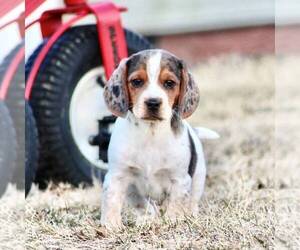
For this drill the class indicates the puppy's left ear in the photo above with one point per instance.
(116, 92)
(189, 93)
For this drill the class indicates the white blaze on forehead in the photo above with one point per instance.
(153, 67)
(153, 89)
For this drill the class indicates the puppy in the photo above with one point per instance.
(155, 157)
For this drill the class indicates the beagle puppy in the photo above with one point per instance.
(156, 162)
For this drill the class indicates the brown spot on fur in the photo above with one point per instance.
(136, 69)
(134, 92)
(173, 93)
(120, 95)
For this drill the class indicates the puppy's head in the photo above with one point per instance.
(153, 84)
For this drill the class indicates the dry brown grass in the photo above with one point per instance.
(252, 195)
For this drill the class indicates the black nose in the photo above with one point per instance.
(153, 103)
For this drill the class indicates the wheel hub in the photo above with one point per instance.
(103, 137)
(90, 120)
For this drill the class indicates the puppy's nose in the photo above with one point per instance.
(153, 103)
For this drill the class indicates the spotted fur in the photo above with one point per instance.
(189, 94)
(115, 91)
(120, 97)
(155, 158)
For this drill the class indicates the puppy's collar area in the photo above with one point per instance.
(133, 119)
(174, 124)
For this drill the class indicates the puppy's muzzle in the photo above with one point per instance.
(153, 104)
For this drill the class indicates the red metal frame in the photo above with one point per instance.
(111, 35)
(44, 51)
(112, 40)
(74, 2)
(32, 5)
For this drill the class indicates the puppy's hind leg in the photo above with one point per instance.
(198, 183)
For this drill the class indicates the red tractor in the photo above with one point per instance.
(65, 76)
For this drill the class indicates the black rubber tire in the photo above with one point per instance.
(31, 149)
(15, 103)
(74, 54)
(44, 171)
(8, 147)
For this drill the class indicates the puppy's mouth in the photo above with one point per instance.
(152, 117)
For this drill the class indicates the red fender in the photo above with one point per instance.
(112, 40)
(41, 56)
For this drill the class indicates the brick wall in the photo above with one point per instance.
(202, 45)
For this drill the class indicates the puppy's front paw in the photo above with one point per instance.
(146, 216)
(142, 220)
(177, 211)
(194, 210)
(174, 215)
(112, 223)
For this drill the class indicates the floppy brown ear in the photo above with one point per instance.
(189, 93)
(115, 91)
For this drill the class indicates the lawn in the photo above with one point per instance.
(251, 199)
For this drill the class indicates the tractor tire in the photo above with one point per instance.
(67, 103)
(31, 149)
(16, 105)
(8, 148)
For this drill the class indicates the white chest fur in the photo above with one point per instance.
(153, 155)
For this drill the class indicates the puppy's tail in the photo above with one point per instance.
(206, 134)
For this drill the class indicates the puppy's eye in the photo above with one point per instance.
(136, 83)
(169, 84)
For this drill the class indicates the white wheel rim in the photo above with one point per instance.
(87, 106)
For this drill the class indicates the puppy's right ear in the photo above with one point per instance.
(116, 92)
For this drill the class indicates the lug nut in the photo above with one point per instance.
(100, 81)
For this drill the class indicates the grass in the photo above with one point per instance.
(251, 199)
